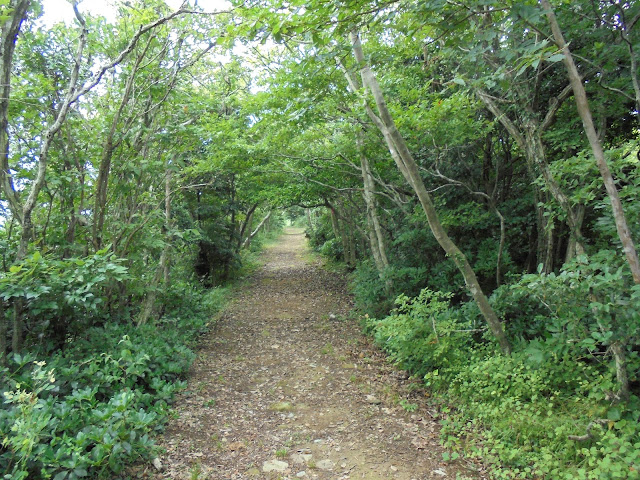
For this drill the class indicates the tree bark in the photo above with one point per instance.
(409, 169)
(350, 231)
(167, 226)
(584, 111)
(247, 242)
(16, 339)
(3, 335)
(338, 233)
(108, 147)
(530, 142)
(246, 225)
(152, 292)
(9, 31)
(376, 237)
(622, 375)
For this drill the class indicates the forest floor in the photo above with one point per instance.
(286, 386)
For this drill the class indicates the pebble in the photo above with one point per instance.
(274, 466)
(325, 465)
(301, 457)
(157, 464)
(372, 399)
(301, 474)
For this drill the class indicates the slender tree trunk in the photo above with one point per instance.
(262, 223)
(500, 245)
(9, 31)
(3, 335)
(339, 233)
(572, 244)
(409, 169)
(246, 225)
(67, 206)
(16, 340)
(549, 241)
(530, 142)
(374, 231)
(620, 357)
(152, 292)
(536, 151)
(376, 236)
(307, 212)
(102, 181)
(351, 240)
(582, 104)
(167, 226)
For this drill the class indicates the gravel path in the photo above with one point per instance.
(286, 387)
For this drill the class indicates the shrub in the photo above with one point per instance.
(84, 414)
(520, 412)
(418, 335)
(61, 297)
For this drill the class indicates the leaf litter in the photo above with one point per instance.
(284, 387)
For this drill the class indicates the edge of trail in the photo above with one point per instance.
(286, 386)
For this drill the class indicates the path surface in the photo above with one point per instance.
(286, 387)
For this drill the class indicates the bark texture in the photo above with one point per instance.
(584, 110)
(409, 169)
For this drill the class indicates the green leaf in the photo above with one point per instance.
(614, 414)
(459, 81)
(556, 58)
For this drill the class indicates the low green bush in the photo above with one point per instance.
(332, 249)
(528, 414)
(84, 414)
(60, 298)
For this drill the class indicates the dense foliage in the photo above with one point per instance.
(474, 163)
(91, 408)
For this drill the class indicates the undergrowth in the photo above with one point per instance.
(548, 410)
(91, 408)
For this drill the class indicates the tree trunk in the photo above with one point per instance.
(307, 212)
(374, 230)
(530, 142)
(102, 181)
(339, 234)
(263, 222)
(167, 226)
(500, 245)
(152, 292)
(620, 358)
(16, 340)
(246, 225)
(9, 30)
(3, 335)
(409, 169)
(350, 231)
(376, 237)
(549, 240)
(572, 244)
(582, 104)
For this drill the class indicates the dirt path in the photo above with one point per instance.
(286, 387)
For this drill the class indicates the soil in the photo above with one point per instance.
(286, 386)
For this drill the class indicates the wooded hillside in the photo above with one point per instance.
(474, 163)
